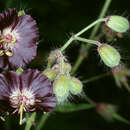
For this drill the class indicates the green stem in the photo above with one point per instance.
(30, 121)
(67, 44)
(81, 32)
(120, 118)
(97, 77)
(49, 65)
(77, 64)
(42, 121)
(127, 86)
(101, 15)
(90, 26)
(94, 31)
(89, 100)
(87, 40)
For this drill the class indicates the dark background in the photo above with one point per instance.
(57, 20)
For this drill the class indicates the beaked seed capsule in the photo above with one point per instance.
(109, 55)
(117, 23)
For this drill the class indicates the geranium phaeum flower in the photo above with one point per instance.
(30, 90)
(18, 38)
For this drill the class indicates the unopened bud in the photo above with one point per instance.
(50, 73)
(61, 88)
(67, 67)
(55, 56)
(75, 86)
(106, 110)
(109, 55)
(117, 23)
(19, 71)
(21, 13)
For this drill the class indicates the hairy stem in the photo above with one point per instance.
(30, 121)
(97, 77)
(94, 31)
(120, 118)
(87, 40)
(42, 121)
(81, 32)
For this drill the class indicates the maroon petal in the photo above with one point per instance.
(27, 31)
(41, 95)
(4, 64)
(36, 82)
(25, 48)
(8, 82)
(8, 18)
(41, 87)
(26, 35)
(48, 104)
(22, 56)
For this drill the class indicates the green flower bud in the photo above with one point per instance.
(61, 88)
(19, 71)
(117, 23)
(75, 86)
(21, 13)
(67, 68)
(55, 56)
(50, 73)
(109, 55)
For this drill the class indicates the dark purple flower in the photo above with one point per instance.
(18, 38)
(31, 89)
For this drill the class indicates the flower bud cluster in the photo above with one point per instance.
(59, 73)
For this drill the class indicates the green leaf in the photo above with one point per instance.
(72, 107)
(120, 118)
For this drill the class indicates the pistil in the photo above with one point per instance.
(21, 113)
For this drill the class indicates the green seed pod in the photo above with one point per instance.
(117, 23)
(109, 55)
(75, 86)
(51, 74)
(61, 88)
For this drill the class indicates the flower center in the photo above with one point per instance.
(24, 97)
(7, 42)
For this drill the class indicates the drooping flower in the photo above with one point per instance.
(18, 38)
(27, 92)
